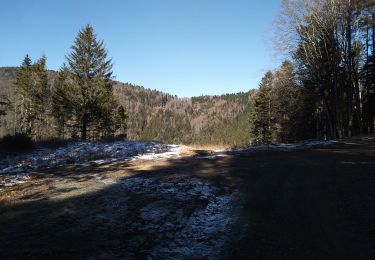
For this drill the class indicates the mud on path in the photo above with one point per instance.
(303, 203)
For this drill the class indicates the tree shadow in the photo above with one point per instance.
(129, 218)
(304, 203)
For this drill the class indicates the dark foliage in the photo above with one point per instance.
(16, 143)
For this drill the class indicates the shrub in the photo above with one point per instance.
(16, 143)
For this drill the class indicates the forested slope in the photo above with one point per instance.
(154, 115)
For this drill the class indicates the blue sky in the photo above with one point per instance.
(183, 47)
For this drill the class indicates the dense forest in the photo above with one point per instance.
(325, 89)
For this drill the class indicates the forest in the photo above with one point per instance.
(327, 89)
(154, 115)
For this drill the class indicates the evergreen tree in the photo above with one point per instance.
(62, 105)
(121, 121)
(368, 81)
(368, 69)
(91, 74)
(40, 98)
(286, 105)
(32, 95)
(24, 92)
(260, 115)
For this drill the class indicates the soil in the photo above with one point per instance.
(303, 203)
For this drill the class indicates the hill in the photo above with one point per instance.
(155, 115)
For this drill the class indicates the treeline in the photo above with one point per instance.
(327, 90)
(79, 104)
(277, 113)
(154, 115)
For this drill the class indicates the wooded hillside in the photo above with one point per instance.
(154, 115)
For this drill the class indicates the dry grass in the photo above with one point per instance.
(209, 146)
(188, 152)
(202, 149)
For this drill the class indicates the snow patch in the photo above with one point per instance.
(188, 218)
(205, 234)
(79, 152)
(213, 156)
(96, 153)
(304, 144)
(174, 152)
(358, 163)
(13, 179)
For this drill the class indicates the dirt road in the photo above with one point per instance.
(296, 204)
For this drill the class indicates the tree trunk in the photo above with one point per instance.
(350, 72)
(357, 100)
(365, 108)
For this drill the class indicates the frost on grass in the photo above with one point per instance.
(205, 234)
(186, 218)
(358, 163)
(13, 179)
(219, 153)
(80, 152)
(14, 168)
(304, 144)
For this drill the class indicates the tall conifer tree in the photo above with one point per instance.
(260, 115)
(32, 94)
(91, 73)
(62, 97)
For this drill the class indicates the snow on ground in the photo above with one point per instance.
(100, 153)
(188, 218)
(15, 166)
(173, 152)
(80, 152)
(213, 156)
(358, 163)
(266, 147)
(104, 152)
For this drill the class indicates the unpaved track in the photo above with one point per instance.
(300, 204)
(309, 204)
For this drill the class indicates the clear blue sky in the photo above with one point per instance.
(184, 47)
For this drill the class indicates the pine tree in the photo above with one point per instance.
(24, 92)
(62, 97)
(121, 121)
(91, 74)
(260, 115)
(285, 100)
(40, 98)
(368, 69)
(32, 94)
(368, 81)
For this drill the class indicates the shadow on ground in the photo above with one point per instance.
(298, 204)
